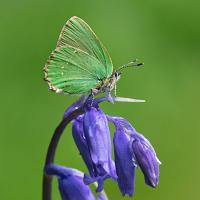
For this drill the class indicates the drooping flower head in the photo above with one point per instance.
(91, 134)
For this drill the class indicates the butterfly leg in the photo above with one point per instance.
(115, 90)
(93, 92)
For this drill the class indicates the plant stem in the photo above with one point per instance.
(47, 180)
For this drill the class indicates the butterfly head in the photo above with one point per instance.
(113, 80)
(108, 84)
(117, 73)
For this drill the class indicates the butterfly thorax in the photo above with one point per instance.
(107, 84)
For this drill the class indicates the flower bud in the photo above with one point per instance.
(125, 167)
(146, 158)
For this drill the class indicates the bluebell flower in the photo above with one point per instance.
(125, 166)
(97, 135)
(146, 158)
(92, 137)
(131, 150)
(124, 162)
(71, 184)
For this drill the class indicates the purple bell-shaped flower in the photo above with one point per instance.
(146, 158)
(71, 184)
(97, 135)
(131, 150)
(125, 166)
(92, 137)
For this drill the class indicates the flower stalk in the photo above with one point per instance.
(47, 180)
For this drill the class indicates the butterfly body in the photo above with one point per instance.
(107, 85)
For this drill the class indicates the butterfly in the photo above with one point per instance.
(80, 64)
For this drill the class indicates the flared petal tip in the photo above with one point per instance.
(152, 182)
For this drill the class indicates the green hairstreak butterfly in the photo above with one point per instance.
(80, 64)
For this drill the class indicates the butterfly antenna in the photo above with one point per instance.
(134, 63)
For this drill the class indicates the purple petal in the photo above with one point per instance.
(128, 128)
(71, 184)
(79, 138)
(76, 105)
(74, 188)
(98, 139)
(60, 171)
(123, 161)
(146, 159)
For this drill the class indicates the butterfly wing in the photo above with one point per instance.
(78, 34)
(73, 71)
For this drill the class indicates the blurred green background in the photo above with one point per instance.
(163, 34)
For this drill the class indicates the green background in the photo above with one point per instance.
(163, 34)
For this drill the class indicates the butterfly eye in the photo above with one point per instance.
(117, 75)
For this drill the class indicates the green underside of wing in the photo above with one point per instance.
(78, 34)
(73, 71)
(77, 86)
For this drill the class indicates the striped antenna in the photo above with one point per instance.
(134, 63)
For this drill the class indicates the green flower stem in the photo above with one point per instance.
(47, 180)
